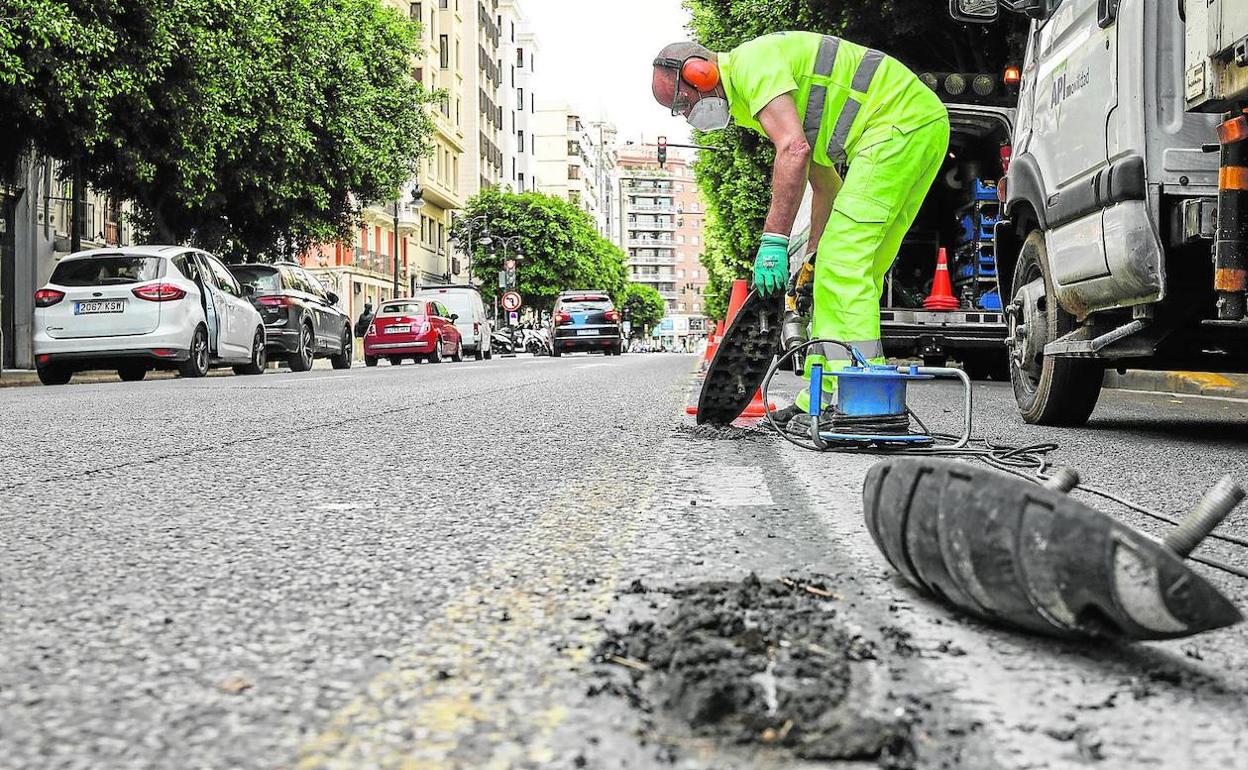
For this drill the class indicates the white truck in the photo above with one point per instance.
(1124, 234)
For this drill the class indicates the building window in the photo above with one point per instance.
(694, 240)
(520, 97)
(444, 52)
(697, 308)
(680, 239)
(574, 172)
(414, 11)
(680, 273)
(443, 4)
(520, 58)
(520, 140)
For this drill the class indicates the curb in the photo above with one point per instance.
(1180, 383)
(19, 378)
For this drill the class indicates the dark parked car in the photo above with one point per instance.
(585, 320)
(301, 319)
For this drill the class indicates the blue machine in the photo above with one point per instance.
(871, 406)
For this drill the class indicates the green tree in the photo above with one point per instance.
(560, 247)
(736, 181)
(644, 305)
(252, 127)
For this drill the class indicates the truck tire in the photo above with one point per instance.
(1049, 391)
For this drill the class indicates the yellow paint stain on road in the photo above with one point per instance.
(482, 688)
(1207, 379)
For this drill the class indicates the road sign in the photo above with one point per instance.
(513, 317)
(512, 301)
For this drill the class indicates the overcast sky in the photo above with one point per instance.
(596, 55)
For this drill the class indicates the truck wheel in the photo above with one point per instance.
(1049, 391)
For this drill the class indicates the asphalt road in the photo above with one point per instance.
(413, 567)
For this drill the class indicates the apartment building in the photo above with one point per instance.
(482, 164)
(364, 271)
(576, 161)
(519, 52)
(662, 220)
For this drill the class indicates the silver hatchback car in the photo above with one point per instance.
(140, 308)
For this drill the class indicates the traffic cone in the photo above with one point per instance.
(740, 291)
(712, 345)
(941, 297)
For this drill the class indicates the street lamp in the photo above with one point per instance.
(483, 240)
(417, 202)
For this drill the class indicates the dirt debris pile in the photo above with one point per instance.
(757, 663)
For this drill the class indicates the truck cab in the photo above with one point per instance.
(1105, 243)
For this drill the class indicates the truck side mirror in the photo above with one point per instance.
(975, 11)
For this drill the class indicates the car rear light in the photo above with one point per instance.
(372, 331)
(612, 315)
(476, 327)
(562, 318)
(159, 292)
(1007, 154)
(48, 297)
(424, 328)
(43, 359)
(274, 301)
(1013, 76)
(1001, 189)
(164, 352)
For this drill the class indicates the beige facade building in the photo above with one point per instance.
(576, 161)
(662, 220)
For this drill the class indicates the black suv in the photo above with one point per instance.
(300, 318)
(585, 320)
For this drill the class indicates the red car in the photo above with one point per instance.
(413, 328)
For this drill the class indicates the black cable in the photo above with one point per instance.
(1028, 462)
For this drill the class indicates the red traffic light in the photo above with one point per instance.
(662, 141)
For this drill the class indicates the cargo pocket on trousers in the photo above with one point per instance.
(862, 209)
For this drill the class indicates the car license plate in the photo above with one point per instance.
(100, 306)
(404, 329)
(587, 332)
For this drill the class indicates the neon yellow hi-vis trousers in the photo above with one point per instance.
(878, 202)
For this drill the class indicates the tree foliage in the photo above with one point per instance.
(736, 181)
(561, 248)
(644, 304)
(245, 126)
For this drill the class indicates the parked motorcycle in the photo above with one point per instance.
(502, 343)
(537, 341)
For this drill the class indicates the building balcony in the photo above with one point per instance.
(635, 259)
(651, 243)
(653, 225)
(645, 189)
(648, 208)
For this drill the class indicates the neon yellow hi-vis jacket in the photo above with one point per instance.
(849, 96)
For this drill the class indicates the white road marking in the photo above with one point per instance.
(1177, 397)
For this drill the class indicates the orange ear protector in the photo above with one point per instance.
(702, 74)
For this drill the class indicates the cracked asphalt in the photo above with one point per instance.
(412, 567)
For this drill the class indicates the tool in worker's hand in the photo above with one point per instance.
(1029, 556)
(799, 300)
(745, 351)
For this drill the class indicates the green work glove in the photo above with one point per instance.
(771, 266)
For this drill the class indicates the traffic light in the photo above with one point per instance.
(662, 150)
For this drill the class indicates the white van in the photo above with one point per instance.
(473, 325)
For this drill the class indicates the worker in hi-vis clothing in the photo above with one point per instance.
(823, 102)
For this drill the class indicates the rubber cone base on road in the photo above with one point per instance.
(740, 291)
(941, 297)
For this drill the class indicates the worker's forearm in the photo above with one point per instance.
(825, 184)
(788, 184)
(820, 212)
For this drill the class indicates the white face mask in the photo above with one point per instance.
(709, 114)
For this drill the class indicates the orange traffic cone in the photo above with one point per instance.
(740, 291)
(941, 297)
